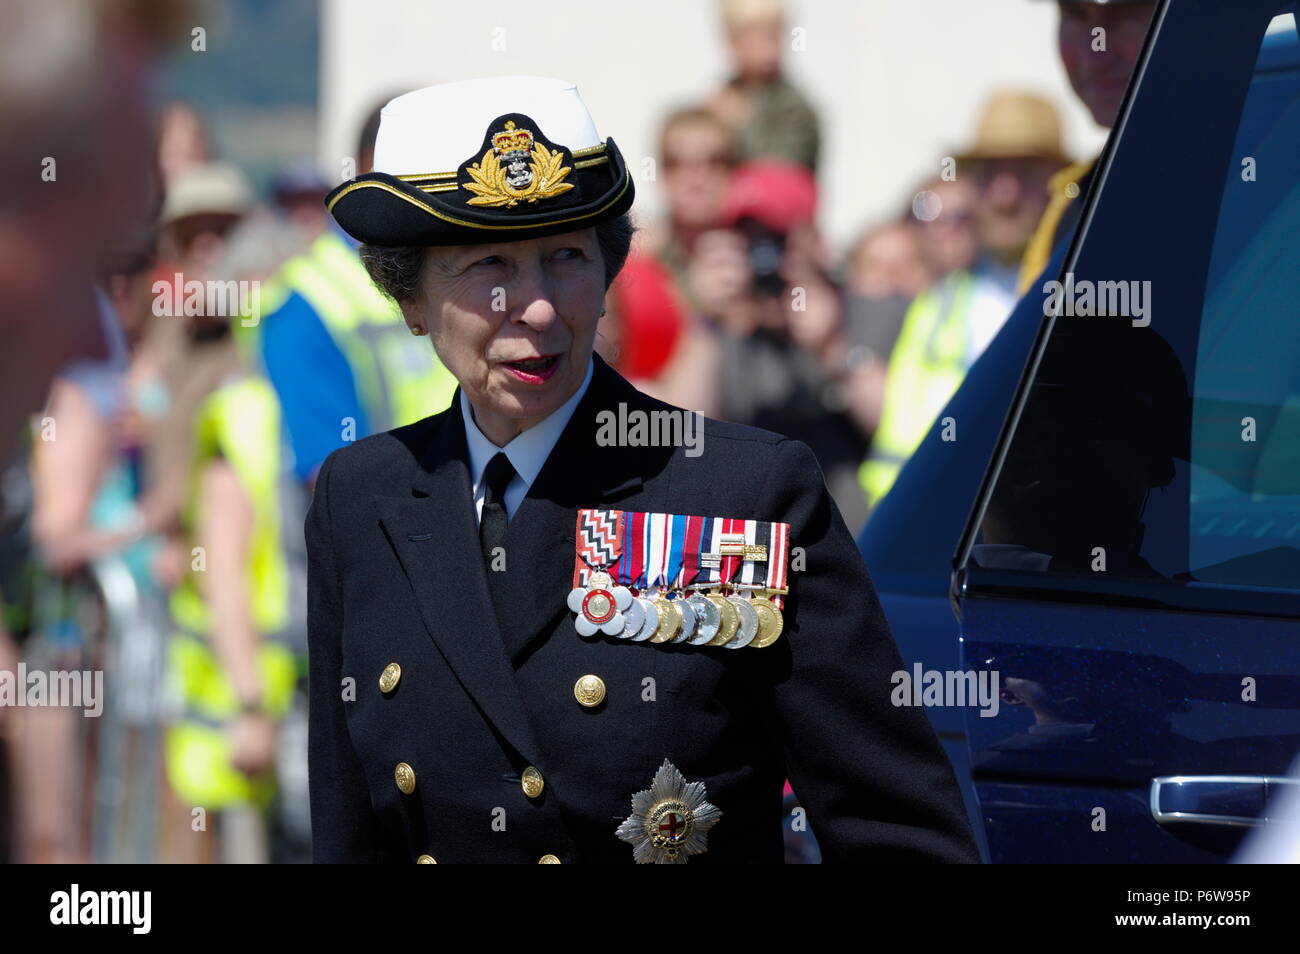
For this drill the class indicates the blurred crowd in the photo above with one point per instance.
(152, 508)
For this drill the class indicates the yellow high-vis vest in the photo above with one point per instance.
(926, 368)
(240, 423)
(398, 376)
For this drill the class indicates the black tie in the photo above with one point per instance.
(492, 525)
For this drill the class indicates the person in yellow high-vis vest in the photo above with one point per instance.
(1099, 42)
(1017, 148)
(338, 351)
(232, 664)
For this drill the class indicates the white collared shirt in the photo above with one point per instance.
(527, 451)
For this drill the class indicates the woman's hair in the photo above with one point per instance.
(397, 270)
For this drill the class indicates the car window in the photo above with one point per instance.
(1158, 442)
(1245, 464)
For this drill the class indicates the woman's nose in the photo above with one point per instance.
(530, 297)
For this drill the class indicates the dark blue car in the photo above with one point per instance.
(1117, 524)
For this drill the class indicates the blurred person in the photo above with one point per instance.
(696, 159)
(77, 122)
(187, 354)
(1017, 149)
(335, 348)
(1099, 77)
(884, 271)
(887, 261)
(782, 356)
(943, 211)
(767, 114)
(652, 332)
(217, 472)
(233, 655)
(300, 197)
(182, 141)
(82, 512)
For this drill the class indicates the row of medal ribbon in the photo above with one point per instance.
(668, 578)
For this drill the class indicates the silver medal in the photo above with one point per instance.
(633, 620)
(748, 627)
(707, 620)
(688, 621)
(651, 621)
(599, 606)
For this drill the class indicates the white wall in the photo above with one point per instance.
(898, 83)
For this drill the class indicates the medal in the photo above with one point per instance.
(599, 606)
(688, 620)
(729, 545)
(748, 627)
(707, 619)
(670, 820)
(770, 620)
(632, 571)
(748, 546)
(633, 619)
(670, 620)
(676, 534)
(650, 620)
(658, 539)
(596, 601)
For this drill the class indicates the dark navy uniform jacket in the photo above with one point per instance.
(396, 576)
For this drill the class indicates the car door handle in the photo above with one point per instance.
(1232, 800)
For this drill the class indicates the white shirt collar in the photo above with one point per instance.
(528, 450)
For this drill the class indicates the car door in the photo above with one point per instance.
(1131, 567)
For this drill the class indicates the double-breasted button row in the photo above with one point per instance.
(544, 860)
(589, 690)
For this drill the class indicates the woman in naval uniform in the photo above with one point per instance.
(469, 703)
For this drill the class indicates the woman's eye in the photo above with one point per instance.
(490, 260)
(569, 252)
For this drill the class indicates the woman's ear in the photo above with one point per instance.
(413, 314)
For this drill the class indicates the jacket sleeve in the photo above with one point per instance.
(343, 828)
(872, 777)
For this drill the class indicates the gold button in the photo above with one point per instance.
(426, 860)
(389, 678)
(533, 782)
(405, 776)
(548, 860)
(589, 691)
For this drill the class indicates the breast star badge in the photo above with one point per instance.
(670, 820)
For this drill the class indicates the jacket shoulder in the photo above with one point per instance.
(388, 457)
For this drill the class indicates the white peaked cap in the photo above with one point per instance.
(437, 128)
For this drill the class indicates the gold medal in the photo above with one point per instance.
(730, 620)
(670, 620)
(770, 622)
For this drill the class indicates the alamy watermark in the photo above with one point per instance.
(947, 688)
(214, 299)
(637, 428)
(82, 689)
(1089, 299)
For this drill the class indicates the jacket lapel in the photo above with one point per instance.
(435, 536)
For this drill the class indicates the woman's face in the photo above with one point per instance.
(514, 322)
